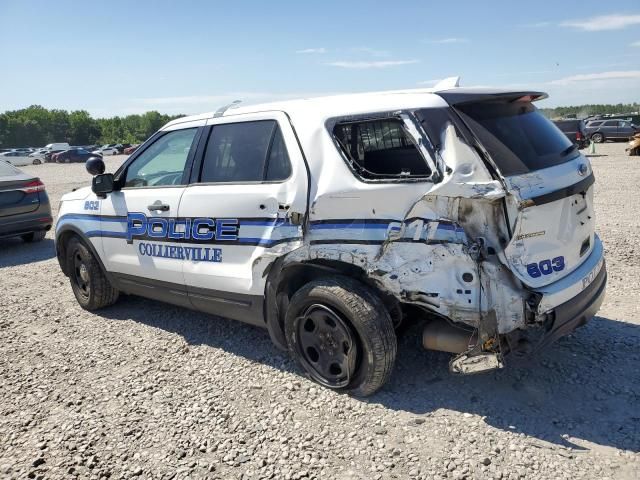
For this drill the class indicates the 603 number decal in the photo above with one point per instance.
(545, 267)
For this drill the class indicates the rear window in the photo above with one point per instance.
(517, 136)
(380, 148)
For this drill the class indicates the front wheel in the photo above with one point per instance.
(597, 137)
(90, 285)
(37, 161)
(341, 334)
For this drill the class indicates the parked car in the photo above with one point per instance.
(107, 150)
(574, 130)
(602, 130)
(38, 156)
(331, 221)
(19, 159)
(48, 157)
(25, 150)
(131, 149)
(73, 155)
(24, 205)
(122, 146)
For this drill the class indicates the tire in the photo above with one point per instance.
(90, 285)
(36, 161)
(340, 333)
(34, 237)
(597, 137)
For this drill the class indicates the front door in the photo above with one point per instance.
(245, 205)
(138, 222)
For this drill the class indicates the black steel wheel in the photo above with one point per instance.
(326, 346)
(340, 332)
(90, 285)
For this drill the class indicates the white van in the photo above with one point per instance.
(57, 146)
(331, 221)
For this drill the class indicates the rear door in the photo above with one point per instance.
(244, 206)
(550, 185)
(625, 130)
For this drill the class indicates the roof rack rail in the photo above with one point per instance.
(223, 109)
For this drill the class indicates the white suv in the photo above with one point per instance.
(330, 221)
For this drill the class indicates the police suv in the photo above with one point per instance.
(329, 221)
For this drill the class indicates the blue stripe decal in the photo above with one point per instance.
(95, 218)
(102, 233)
(358, 225)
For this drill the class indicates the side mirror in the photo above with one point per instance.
(102, 184)
(95, 165)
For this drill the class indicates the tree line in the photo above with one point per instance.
(37, 126)
(582, 111)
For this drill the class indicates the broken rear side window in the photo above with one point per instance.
(381, 148)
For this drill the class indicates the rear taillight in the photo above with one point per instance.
(578, 136)
(32, 187)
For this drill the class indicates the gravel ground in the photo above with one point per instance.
(153, 391)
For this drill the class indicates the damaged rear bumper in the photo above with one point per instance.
(574, 313)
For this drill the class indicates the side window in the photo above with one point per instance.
(163, 162)
(245, 152)
(278, 165)
(380, 148)
(610, 123)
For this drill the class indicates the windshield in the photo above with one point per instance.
(517, 136)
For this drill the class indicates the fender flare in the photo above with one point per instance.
(61, 253)
(278, 272)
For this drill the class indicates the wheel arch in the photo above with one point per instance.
(63, 236)
(284, 279)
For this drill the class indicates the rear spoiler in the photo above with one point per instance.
(461, 96)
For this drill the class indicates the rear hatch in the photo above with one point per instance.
(19, 192)
(550, 186)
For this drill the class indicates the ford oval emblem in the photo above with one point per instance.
(583, 169)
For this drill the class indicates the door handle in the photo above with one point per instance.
(158, 207)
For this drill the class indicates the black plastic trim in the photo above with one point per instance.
(577, 311)
(237, 306)
(581, 186)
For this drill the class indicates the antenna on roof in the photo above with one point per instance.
(447, 83)
(223, 109)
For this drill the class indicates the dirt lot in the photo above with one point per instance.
(152, 391)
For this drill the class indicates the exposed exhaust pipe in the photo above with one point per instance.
(439, 335)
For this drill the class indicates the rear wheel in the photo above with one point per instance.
(36, 161)
(34, 236)
(341, 334)
(90, 285)
(597, 137)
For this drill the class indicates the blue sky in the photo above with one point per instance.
(119, 57)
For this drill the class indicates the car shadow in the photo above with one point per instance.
(584, 388)
(14, 251)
